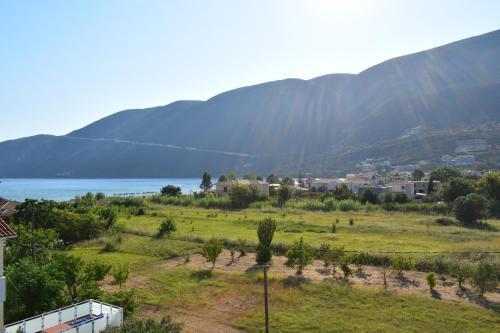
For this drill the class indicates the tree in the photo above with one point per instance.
(484, 277)
(134, 325)
(430, 185)
(206, 182)
(285, 193)
(250, 176)
(272, 179)
(346, 270)
(38, 288)
(166, 227)
(443, 174)
(120, 274)
(69, 266)
(265, 233)
(417, 175)
(456, 187)
(470, 209)
(489, 185)
(287, 181)
(461, 271)
(109, 215)
(299, 256)
(387, 198)
(431, 280)
(45, 240)
(400, 197)
(400, 264)
(343, 193)
(99, 196)
(211, 251)
(334, 257)
(241, 196)
(171, 190)
(368, 196)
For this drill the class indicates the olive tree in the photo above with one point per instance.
(299, 256)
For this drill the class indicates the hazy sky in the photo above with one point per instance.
(64, 64)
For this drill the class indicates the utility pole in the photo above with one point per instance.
(266, 303)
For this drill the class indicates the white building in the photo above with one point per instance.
(224, 187)
(404, 187)
(325, 184)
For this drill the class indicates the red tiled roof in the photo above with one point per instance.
(5, 230)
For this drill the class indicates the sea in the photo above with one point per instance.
(65, 189)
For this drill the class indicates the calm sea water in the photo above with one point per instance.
(64, 189)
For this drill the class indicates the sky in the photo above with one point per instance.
(65, 64)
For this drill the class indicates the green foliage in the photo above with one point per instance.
(461, 271)
(368, 196)
(346, 270)
(287, 181)
(285, 193)
(470, 209)
(343, 193)
(133, 325)
(211, 251)
(241, 245)
(400, 264)
(45, 240)
(100, 196)
(351, 221)
(109, 215)
(400, 197)
(120, 273)
(272, 179)
(241, 196)
(456, 187)
(417, 174)
(32, 288)
(334, 257)
(206, 181)
(127, 300)
(250, 176)
(484, 277)
(167, 227)
(299, 256)
(171, 190)
(265, 234)
(360, 259)
(334, 228)
(431, 280)
(443, 174)
(489, 185)
(348, 205)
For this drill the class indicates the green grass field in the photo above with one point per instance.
(374, 231)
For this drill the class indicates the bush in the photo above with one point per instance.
(470, 209)
(400, 264)
(348, 205)
(241, 196)
(166, 227)
(330, 205)
(431, 280)
(171, 190)
(400, 197)
(265, 233)
(461, 271)
(445, 221)
(211, 251)
(368, 196)
(166, 325)
(127, 300)
(299, 256)
(351, 221)
(484, 277)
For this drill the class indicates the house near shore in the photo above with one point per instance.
(7, 208)
(224, 187)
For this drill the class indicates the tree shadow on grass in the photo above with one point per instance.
(202, 275)
(324, 271)
(435, 294)
(479, 226)
(479, 300)
(295, 281)
(405, 282)
(362, 274)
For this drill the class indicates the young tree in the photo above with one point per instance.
(489, 185)
(299, 256)
(346, 270)
(417, 175)
(265, 233)
(287, 181)
(470, 209)
(120, 274)
(171, 190)
(431, 280)
(206, 181)
(484, 277)
(335, 256)
(211, 251)
(69, 267)
(461, 271)
(400, 264)
(166, 227)
(400, 197)
(368, 196)
(109, 215)
(241, 196)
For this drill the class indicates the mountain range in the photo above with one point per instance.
(323, 126)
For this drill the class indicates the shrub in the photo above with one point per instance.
(241, 196)
(166, 227)
(400, 264)
(470, 209)
(242, 243)
(461, 271)
(445, 221)
(285, 193)
(484, 277)
(99, 196)
(334, 257)
(334, 228)
(348, 205)
(166, 325)
(299, 256)
(120, 274)
(211, 251)
(400, 197)
(368, 196)
(351, 221)
(330, 205)
(171, 190)
(344, 266)
(127, 300)
(431, 280)
(109, 247)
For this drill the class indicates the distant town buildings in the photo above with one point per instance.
(224, 187)
(460, 160)
(470, 146)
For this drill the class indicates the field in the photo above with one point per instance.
(230, 299)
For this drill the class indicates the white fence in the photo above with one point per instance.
(86, 317)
